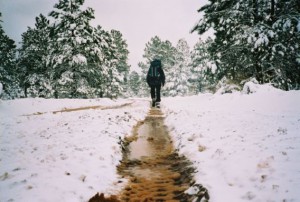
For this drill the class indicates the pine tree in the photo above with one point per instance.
(179, 76)
(163, 50)
(121, 60)
(203, 68)
(8, 71)
(284, 50)
(228, 20)
(32, 68)
(157, 49)
(85, 62)
(254, 39)
(134, 84)
(103, 58)
(75, 56)
(113, 80)
(121, 52)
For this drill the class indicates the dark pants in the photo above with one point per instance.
(155, 93)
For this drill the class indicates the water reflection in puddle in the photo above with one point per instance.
(152, 140)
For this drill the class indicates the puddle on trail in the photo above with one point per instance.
(154, 170)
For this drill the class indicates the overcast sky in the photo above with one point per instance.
(137, 20)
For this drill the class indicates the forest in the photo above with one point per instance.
(63, 56)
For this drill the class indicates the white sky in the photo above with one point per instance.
(137, 20)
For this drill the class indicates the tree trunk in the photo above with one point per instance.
(272, 11)
(255, 11)
(257, 67)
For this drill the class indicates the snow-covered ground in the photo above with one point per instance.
(63, 156)
(246, 147)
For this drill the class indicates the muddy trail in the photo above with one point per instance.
(153, 168)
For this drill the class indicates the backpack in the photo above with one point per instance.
(153, 73)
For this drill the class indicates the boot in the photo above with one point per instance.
(153, 102)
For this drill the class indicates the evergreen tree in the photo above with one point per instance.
(134, 84)
(157, 49)
(229, 20)
(203, 68)
(163, 50)
(68, 58)
(113, 80)
(121, 52)
(8, 73)
(178, 83)
(121, 60)
(254, 39)
(103, 59)
(85, 61)
(32, 68)
(284, 48)
(76, 55)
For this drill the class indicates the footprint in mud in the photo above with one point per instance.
(155, 171)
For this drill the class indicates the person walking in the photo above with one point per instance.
(155, 80)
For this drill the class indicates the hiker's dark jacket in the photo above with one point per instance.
(159, 80)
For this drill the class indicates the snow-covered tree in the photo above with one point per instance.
(203, 69)
(284, 46)
(8, 71)
(157, 49)
(163, 50)
(32, 68)
(134, 84)
(258, 38)
(72, 42)
(178, 82)
(85, 61)
(113, 81)
(121, 53)
(102, 60)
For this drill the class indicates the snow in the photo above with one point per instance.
(261, 40)
(62, 156)
(287, 25)
(244, 145)
(79, 59)
(66, 77)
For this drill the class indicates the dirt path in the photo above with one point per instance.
(155, 171)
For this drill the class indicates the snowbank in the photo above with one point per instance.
(245, 146)
(63, 156)
(252, 86)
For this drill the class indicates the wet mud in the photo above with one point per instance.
(153, 168)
